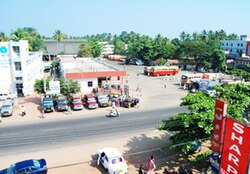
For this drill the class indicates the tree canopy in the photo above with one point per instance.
(91, 48)
(198, 122)
(28, 33)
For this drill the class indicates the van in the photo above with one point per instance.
(7, 109)
(5, 96)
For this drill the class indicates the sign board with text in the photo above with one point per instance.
(235, 156)
(54, 87)
(218, 129)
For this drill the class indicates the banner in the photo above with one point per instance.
(235, 156)
(218, 129)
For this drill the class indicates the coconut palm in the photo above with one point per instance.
(58, 35)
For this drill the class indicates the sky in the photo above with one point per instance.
(147, 17)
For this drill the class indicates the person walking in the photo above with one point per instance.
(42, 113)
(140, 171)
(69, 110)
(151, 165)
(23, 111)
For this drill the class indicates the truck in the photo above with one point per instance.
(47, 103)
(62, 103)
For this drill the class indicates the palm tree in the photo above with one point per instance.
(18, 34)
(58, 35)
(3, 37)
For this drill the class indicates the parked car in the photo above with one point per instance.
(48, 104)
(31, 166)
(7, 109)
(112, 160)
(134, 61)
(90, 102)
(76, 103)
(62, 103)
(103, 100)
(5, 96)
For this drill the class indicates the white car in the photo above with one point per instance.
(112, 160)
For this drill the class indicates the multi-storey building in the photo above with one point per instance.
(107, 49)
(237, 48)
(19, 68)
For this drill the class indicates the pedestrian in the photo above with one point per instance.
(0, 118)
(69, 110)
(165, 84)
(23, 111)
(140, 171)
(42, 113)
(151, 165)
(113, 103)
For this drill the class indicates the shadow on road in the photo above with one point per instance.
(142, 147)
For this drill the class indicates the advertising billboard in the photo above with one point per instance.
(218, 129)
(235, 156)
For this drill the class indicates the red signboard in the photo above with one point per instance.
(220, 113)
(236, 148)
(248, 48)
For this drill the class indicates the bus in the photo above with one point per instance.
(147, 70)
(188, 79)
(164, 70)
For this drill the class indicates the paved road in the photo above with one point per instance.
(46, 135)
(70, 137)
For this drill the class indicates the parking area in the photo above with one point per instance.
(156, 92)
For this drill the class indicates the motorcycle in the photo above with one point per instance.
(114, 113)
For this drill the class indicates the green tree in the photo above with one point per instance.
(239, 72)
(28, 33)
(3, 37)
(119, 47)
(39, 85)
(198, 122)
(59, 35)
(219, 60)
(91, 48)
(69, 87)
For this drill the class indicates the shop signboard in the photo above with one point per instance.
(218, 129)
(235, 156)
(54, 87)
(107, 87)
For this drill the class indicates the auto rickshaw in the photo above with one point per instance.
(130, 102)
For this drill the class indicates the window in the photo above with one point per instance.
(16, 49)
(238, 44)
(90, 83)
(18, 66)
(19, 78)
(242, 45)
(231, 44)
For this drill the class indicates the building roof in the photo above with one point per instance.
(89, 68)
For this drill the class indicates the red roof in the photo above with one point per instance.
(84, 75)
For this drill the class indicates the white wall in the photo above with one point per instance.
(5, 68)
(84, 85)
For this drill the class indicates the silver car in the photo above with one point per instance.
(7, 109)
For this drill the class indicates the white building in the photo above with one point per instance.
(91, 73)
(107, 49)
(19, 68)
(237, 48)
